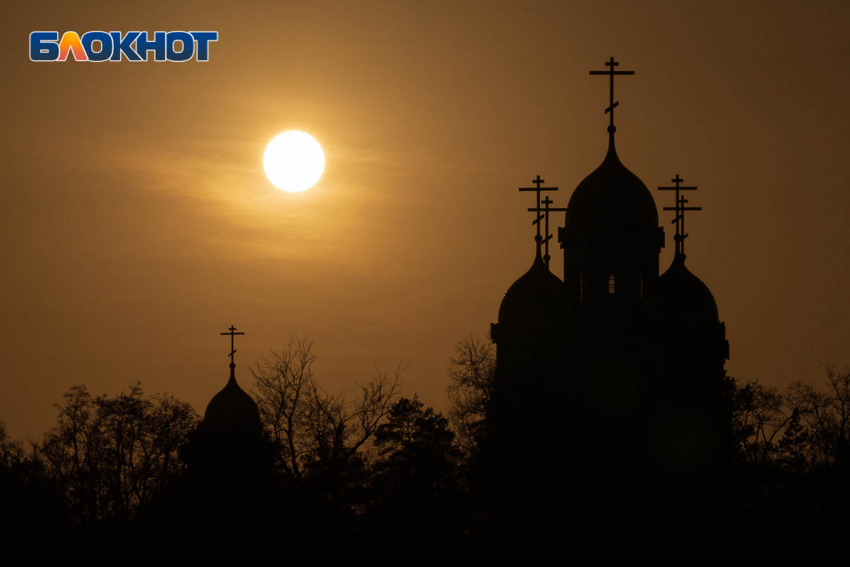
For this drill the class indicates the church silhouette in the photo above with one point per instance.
(610, 385)
(228, 495)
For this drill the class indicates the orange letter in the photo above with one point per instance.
(71, 41)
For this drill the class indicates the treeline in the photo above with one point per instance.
(366, 471)
(793, 453)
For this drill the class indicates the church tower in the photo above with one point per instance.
(531, 332)
(686, 348)
(229, 485)
(531, 336)
(611, 241)
(611, 238)
(526, 409)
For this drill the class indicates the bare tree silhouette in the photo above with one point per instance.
(308, 425)
(472, 373)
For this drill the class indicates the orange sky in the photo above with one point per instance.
(138, 223)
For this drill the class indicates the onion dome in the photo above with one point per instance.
(680, 298)
(611, 199)
(232, 408)
(538, 296)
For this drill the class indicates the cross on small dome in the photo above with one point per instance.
(680, 208)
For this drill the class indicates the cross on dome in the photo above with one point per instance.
(612, 104)
(543, 213)
(232, 332)
(538, 181)
(680, 208)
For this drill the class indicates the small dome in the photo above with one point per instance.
(680, 297)
(611, 199)
(537, 296)
(232, 408)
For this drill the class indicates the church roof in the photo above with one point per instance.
(612, 199)
(538, 296)
(231, 408)
(680, 297)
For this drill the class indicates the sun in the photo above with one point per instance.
(294, 161)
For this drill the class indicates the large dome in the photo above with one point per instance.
(611, 199)
(232, 408)
(680, 297)
(538, 296)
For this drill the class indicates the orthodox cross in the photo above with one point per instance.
(680, 208)
(538, 189)
(232, 332)
(544, 214)
(612, 104)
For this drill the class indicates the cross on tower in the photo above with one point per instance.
(611, 105)
(232, 332)
(538, 189)
(680, 208)
(544, 214)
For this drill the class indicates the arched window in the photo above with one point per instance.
(612, 285)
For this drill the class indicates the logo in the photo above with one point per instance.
(99, 46)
